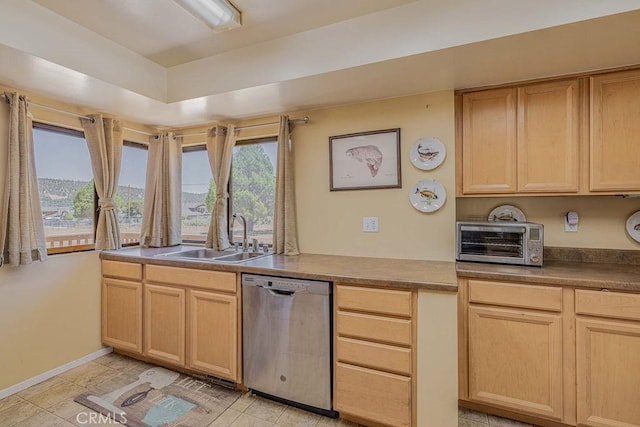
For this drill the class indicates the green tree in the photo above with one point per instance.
(83, 201)
(253, 185)
(210, 199)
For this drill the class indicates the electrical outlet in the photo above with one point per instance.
(571, 222)
(370, 224)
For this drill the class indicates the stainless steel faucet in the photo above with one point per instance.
(245, 244)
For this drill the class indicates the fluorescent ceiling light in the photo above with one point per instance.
(220, 15)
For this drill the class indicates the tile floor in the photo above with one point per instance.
(50, 403)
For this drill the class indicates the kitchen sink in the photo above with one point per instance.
(206, 254)
(241, 256)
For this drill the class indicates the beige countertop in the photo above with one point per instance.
(574, 274)
(384, 272)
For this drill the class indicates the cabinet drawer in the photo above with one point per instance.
(371, 327)
(608, 304)
(515, 295)
(380, 301)
(374, 355)
(125, 270)
(373, 395)
(217, 280)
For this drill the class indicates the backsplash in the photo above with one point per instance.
(602, 218)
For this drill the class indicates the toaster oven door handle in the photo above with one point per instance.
(520, 230)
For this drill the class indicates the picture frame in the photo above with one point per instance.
(365, 160)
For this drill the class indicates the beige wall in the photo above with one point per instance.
(331, 222)
(49, 315)
(602, 218)
(437, 388)
(49, 311)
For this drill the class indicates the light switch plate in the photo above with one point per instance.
(370, 224)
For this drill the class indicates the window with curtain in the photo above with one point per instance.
(65, 186)
(252, 189)
(130, 195)
(198, 194)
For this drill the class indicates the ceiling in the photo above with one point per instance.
(152, 62)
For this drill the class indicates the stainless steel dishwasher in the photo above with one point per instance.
(286, 328)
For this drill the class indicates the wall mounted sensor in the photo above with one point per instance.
(571, 221)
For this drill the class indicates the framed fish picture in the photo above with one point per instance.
(365, 160)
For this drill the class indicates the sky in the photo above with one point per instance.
(67, 157)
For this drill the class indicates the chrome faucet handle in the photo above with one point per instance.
(236, 246)
(256, 245)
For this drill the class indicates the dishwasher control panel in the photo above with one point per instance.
(285, 283)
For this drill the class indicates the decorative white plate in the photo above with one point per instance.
(507, 213)
(428, 153)
(428, 195)
(633, 226)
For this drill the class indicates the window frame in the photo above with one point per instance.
(203, 147)
(139, 146)
(189, 149)
(79, 247)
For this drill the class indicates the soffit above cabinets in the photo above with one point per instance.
(149, 61)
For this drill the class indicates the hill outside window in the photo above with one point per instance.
(65, 186)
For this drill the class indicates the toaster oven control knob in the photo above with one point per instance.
(534, 258)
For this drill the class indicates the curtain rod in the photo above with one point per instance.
(304, 120)
(81, 116)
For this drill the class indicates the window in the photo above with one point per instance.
(130, 195)
(198, 194)
(65, 186)
(253, 189)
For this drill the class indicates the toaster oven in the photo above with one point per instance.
(518, 243)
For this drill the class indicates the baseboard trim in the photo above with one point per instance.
(53, 372)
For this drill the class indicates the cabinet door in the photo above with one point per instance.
(615, 132)
(515, 360)
(489, 142)
(213, 334)
(122, 314)
(373, 395)
(548, 137)
(164, 323)
(608, 373)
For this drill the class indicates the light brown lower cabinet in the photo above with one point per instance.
(515, 359)
(122, 314)
(374, 395)
(164, 323)
(571, 356)
(182, 317)
(122, 305)
(608, 358)
(213, 332)
(375, 355)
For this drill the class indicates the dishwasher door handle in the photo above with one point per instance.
(279, 293)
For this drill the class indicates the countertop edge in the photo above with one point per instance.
(248, 268)
(551, 277)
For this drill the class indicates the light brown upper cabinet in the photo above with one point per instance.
(521, 140)
(615, 132)
(489, 142)
(548, 137)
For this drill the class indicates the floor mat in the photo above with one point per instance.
(160, 397)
